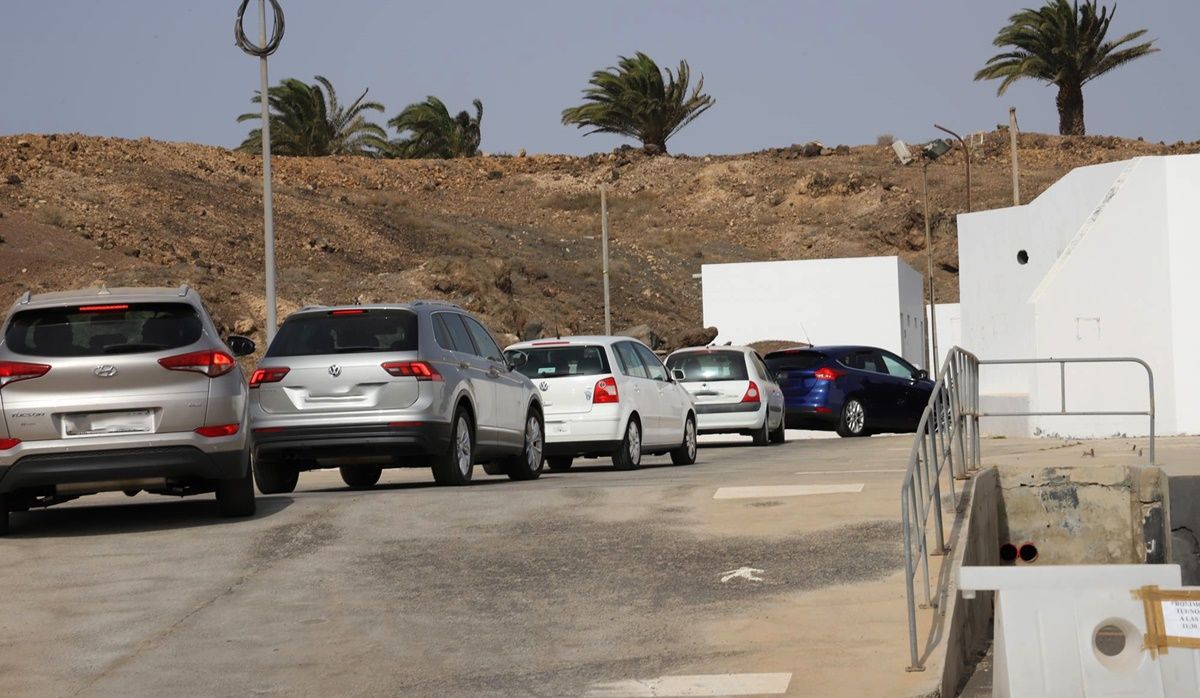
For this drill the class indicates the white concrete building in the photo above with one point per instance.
(1106, 262)
(874, 301)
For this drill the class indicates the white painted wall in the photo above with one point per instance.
(1113, 253)
(874, 301)
(949, 328)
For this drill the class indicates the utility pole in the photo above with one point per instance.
(604, 248)
(1016, 168)
(934, 357)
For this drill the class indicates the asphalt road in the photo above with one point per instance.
(574, 584)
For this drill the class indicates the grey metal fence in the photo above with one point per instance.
(947, 444)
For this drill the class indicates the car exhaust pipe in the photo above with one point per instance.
(78, 488)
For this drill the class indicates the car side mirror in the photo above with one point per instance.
(517, 359)
(241, 346)
(678, 375)
(922, 374)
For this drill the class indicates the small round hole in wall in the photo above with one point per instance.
(1022, 257)
(1028, 552)
(1008, 552)
(1109, 640)
(1117, 645)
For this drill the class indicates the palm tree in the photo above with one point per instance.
(433, 133)
(634, 99)
(1062, 44)
(308, 121)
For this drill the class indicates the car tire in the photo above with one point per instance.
(629, 453)
(779, 434)
(360, 476)
(3, 515)
(560, 463)
(275, 478)
(686, 453)
(528, 465)
(456, 463)
(853, 420)
(762, 435)
(235, 496)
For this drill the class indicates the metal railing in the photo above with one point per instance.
(948, 442)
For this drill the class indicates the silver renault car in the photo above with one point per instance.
(120, 389)
(363, 388)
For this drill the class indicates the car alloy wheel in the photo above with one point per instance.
(634, 438)
(534, 446)
(689, 438)
(462, 447)
(856, 418)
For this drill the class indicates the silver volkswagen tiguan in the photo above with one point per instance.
(120, 389)
(364, 388)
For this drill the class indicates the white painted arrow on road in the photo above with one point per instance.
(747, 573)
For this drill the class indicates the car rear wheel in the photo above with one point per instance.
(686, 453)
(275, 478)
(528, 465)
(629, 454)
(560, 463)
(779, 434)
(456, 463)
(360, 476)
(235, 496)
(853, 421)
(762, 435)
(3, 515)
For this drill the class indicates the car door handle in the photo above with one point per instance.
(464, 365)
(494, 372)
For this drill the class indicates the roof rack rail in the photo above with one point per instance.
(183, 290)
(26, 297)
(311, 307)
(434, 301)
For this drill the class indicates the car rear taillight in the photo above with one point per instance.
(752, 393)
(273, 374)
(13, 371)
(827, 374)
(222, 430)
(348, 311)
(210, 363)
(605, 391)
(103, 308)
(421, 370)
(6, 444)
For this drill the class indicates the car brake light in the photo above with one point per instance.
(827, 374)
(13, 371)
(272, 374)
(6, 444)
(421, 370)
(550, 344)
(348, 311)
(605, 391)
(102, 308)
(222, 430)
(210, 363)
(752, 393)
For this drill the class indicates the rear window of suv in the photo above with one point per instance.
(710, 366)
(554, 362)
(346, 332)
(103, 329)
(795, 361)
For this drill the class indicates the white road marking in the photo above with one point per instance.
(759, 491)
(746, 573)
(840, 472)
(695, 685)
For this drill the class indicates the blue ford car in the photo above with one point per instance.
(856, 391)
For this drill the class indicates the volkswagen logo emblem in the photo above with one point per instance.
(335, 370)
(105, 370)
(544, 386)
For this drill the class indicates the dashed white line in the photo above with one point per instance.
(695, 685)
(758, 491)
(841, 472)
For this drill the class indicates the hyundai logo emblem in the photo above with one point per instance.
(544, 386)
(105, 370)
(335, 370)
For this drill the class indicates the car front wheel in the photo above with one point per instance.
(686, 453)
(528, 465)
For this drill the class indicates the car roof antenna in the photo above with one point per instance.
(805, 334)
(557, 332)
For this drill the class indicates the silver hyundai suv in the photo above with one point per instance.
(120, 389)
(369, 387)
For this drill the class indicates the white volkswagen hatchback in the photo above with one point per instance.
(607, 397)
(734, 390)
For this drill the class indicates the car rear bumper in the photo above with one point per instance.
(811, 417)
(349, 441)
(729, 417)
(115, 465)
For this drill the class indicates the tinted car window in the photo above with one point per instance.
(96, 330)
(865, 361)
(896, 367)
(710, 365)
(487, 346)
(460, 338)
(631, 363)
(651, 362)
(553, 362)
(795, 361)
(346, 332)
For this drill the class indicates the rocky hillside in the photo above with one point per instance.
(515, 239)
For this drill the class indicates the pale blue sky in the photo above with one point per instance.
(782, 72)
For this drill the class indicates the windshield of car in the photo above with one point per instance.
(100, 329)
(710, 366)
(794, 361)
(555, 362)
(346, 332)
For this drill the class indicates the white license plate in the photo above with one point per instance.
(558, 429)
(99, 423)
